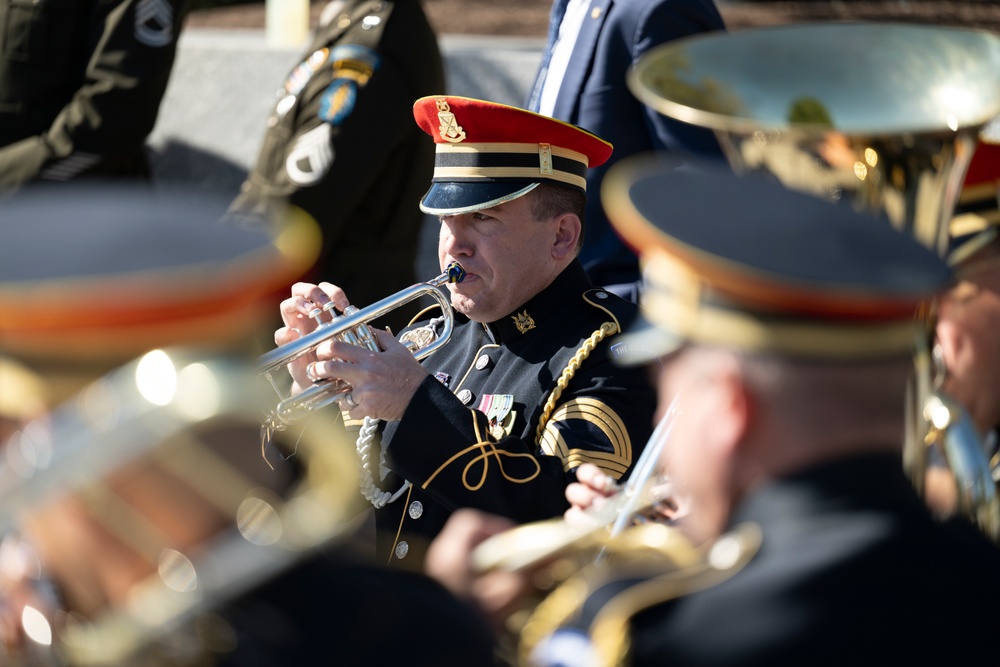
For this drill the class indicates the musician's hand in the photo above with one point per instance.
(590, 490)
(305, 297)
(496, 594)
(383, 382)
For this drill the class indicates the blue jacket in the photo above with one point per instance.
(594, 95)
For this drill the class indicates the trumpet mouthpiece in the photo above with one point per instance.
(456, 273)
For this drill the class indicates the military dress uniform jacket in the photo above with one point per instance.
(851, 569)
(80, 85)
(594, 95)
(470, 436)
(341, 144)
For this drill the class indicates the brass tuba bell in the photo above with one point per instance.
(879, 115)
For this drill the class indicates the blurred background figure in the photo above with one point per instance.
(967, 348)
(582, 80)
(968, 316)
(80, 86)
(140, 522)
(342, 146)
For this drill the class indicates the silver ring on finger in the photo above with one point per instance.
(311, 372)
(349, 401)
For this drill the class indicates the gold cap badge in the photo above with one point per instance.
(450, 130)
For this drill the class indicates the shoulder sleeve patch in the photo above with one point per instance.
(353, 65)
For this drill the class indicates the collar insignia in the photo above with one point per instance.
(523, 322)
(450, 130)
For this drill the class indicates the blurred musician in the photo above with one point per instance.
(967, 346)
(784, 325)
(117, 549)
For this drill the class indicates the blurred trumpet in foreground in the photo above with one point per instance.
(134, 502)
(530, 545)
(144, 503)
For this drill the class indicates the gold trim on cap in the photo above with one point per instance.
(545, 159)
(494, 147)
(452, 173)
(979, 192)
(709, 324)
(971, 223)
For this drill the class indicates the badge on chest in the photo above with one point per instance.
(498, 409)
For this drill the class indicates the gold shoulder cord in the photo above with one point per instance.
(607, 329)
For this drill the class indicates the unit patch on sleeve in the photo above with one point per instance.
(353, 66)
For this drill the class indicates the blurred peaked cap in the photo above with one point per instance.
(23, 394)
(489, 153)
(94, 275)
(747, 263)
(976, 222)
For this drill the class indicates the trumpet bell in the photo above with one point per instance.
(885, 116)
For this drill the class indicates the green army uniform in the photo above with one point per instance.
(81, 84)
(342, 146)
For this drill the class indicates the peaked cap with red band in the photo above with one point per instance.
(763, 268)
(977, 216)
(91, 276)
(490, 153)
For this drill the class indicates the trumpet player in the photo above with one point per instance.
(525, 392)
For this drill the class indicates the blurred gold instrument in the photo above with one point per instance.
(351, 327)
(160, 457)
(526, 546)
(882, 116)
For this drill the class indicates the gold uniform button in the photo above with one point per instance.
(482, 362)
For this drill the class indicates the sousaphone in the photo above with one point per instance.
(884, 117)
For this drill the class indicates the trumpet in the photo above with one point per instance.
(350, 327)
(177, 421)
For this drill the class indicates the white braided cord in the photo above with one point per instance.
(376, 496)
